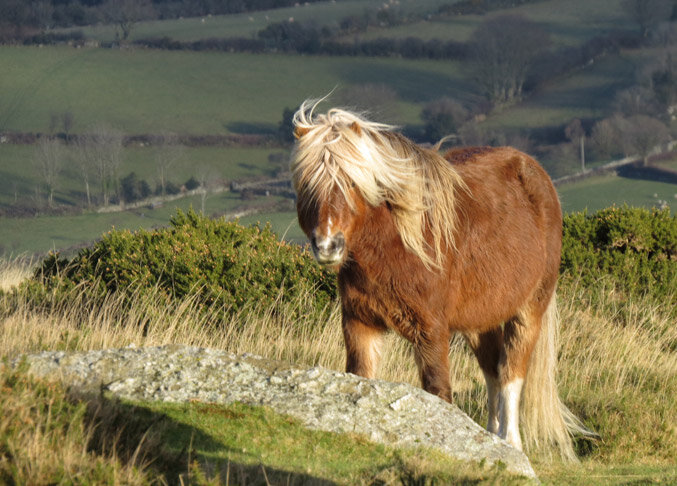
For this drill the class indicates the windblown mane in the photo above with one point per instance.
(343, 149)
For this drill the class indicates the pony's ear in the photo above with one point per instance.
(300, 131)
(356, 128)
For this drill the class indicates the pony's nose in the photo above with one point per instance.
(329, 249)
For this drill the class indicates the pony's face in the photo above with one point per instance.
(330, 222)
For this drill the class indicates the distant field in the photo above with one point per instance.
(587, 93)
(600, 192)
(569, 23)
(19, 177)
(249, 24)
(141, 91)
(41, 234)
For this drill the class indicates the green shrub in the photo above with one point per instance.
(635, 248)
(227, 265)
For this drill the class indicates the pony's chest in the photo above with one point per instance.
(383, 301)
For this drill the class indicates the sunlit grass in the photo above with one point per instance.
(618, 359)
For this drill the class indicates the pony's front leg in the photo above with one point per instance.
(363, 347)
(432, 358)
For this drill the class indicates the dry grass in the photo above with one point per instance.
(45, 438)
(618, 360)
(13, 271)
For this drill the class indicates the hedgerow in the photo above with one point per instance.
(229, 266)
(225, 264)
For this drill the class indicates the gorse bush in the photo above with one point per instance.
(635, 248)
(229, 266)
(224, 263)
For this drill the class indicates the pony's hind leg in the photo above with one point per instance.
(487, 347)
(363, 347)
(519, 338)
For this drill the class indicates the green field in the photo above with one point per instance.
(41, 234)
(603, 191)
(19, 177)
(248, 24)
(141, 91)
(558, 18)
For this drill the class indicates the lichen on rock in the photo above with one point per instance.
(395, 414)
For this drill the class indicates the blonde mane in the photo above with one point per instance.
(343, 149)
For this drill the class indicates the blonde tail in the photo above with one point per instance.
(546, 422)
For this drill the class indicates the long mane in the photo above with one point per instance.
(342, 149)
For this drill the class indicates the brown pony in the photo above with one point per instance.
(427, 246)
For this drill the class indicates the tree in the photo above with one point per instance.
(641, 134)
(285, 129)
(648, 13)
(100, 153)
(49, 161)
(442, 117)
(637, 100)
(168, 152)
(576, 134)
(126, 13)
(502, 51)
(606, 137)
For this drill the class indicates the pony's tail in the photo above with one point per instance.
(547, 424)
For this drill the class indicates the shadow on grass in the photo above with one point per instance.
(170, 451)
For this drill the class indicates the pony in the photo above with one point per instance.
(429, 245)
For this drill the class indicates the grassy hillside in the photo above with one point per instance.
(139, 91)
(19, 176)
(600, 192)
(618, 372)
(590, 18)
(248, 24)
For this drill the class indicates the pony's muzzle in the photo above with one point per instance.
(328, 250)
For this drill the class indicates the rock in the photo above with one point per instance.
(390, 413)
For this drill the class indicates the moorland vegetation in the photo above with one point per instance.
(618, 360)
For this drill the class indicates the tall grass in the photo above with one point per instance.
(618, 358)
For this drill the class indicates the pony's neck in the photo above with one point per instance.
(377, 244)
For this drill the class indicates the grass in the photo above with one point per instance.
(249, 24)
(568, 23)
(44, 233)
(101, 440)
(618, 372)
(20, 179)
(599, 192)
(41, 234)
(142, 91)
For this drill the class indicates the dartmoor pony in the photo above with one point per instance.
(429, 245)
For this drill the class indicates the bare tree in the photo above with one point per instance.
(168, 152)
(207, 178)
(606, 136)
(100, 154)
(443, 117)
(641, 134)
(576, 134)
(503, 50)
(126, 13)
(637, 100)
(48, 159)
(648, 13)
(85, 162)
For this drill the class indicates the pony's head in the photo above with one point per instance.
(344, 164)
